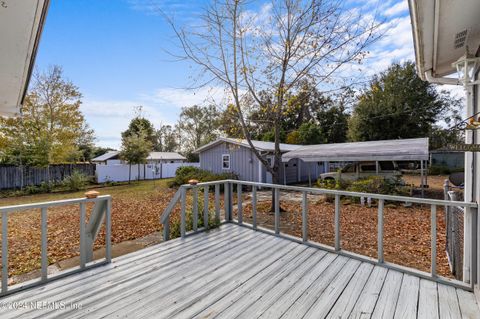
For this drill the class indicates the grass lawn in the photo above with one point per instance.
(136, 209)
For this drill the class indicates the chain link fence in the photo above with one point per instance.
(455, 233)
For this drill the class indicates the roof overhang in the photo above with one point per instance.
(413, 149)
(21, 25)
(442, 31)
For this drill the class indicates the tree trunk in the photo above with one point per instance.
(129, 173)
(138, 172)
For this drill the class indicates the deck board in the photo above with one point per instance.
(235, 272)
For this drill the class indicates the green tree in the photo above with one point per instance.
(398, 104)
(51, 128)
(310, 133)
(140, 124)
(168, 139)
(198, 126)
(135, 149)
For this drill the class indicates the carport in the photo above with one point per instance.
(414, 149)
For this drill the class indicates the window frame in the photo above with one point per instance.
(223, 161)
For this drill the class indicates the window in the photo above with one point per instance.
(226, 161)
(349, 169)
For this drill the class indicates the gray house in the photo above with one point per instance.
(236, 155)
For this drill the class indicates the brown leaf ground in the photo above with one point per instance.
(406, 230)
(136, 209)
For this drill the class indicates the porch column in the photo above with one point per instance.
(471, 191)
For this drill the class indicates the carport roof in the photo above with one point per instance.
(386, 150)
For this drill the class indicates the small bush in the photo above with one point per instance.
(75, 182)
(185, 173)
(213, 222)
(378, 185)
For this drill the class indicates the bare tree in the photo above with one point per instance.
(273, 49)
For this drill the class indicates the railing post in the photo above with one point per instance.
(182, 211)
(4, 252)
(217, 202)
(277, 211)
(380, 257)
(304, 217)
(226, 199)
(195, 208)
(254, 207)
(108, 231)
(205, 207)
(44, 258)
(239, 204)
(83, 243)
(337, 223)
(433, 227)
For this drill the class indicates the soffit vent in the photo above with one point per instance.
(460, 39)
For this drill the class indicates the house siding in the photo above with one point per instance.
(246, 165)
(242, 161)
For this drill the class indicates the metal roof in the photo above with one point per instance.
(21, 25)
(442, 30)
(259, 145)
(108, 155)
(386, 150)
(165, 156)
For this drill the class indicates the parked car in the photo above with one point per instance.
(357, 170)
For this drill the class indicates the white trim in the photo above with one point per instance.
(229, 163)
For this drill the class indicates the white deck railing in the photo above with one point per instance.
(101, 211)
(181, 195)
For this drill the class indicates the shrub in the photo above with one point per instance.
(378, 185)
(185, 173)
(213, 222)
(75, 182)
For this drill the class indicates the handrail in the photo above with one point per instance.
(314, 190)
(101, 212)
(228, 210)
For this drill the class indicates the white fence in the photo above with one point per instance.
(120, 172)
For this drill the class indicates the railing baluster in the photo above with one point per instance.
(434, 240)
(239, 204)
(4, 252)
(381, 204)
(83, 244)
(254, 206)
(230, 202)
(108, 231)
(217, 202)
(304, 217)
(337, 222)
(205, 207)
(182, 212)
(277, 211)
(195, 208)
(226, 199)
(44, 260)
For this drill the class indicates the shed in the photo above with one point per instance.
(110, 157)
(236, 156)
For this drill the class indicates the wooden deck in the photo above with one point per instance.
(234, 272)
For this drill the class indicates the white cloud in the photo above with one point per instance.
(398, 8)
(110, 117)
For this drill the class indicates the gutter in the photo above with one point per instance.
(440, 80)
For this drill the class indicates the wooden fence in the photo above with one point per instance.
(12, 177)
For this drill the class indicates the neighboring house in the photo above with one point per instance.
(113, 158)
(109, 158)
(236, 156)
(165, 157)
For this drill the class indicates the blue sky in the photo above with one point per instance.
(115, 52)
